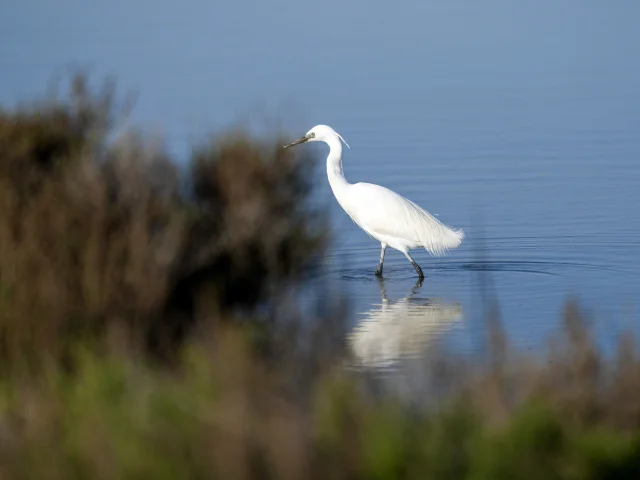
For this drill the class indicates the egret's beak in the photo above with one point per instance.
(296, 142)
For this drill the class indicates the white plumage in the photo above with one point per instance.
(385, 215)
(397, 221)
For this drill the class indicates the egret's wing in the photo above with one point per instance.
(385, 212)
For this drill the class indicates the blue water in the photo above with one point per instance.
(517, 121)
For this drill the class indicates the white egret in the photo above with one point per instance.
(385, 215)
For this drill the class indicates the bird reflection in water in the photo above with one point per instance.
(398, 330)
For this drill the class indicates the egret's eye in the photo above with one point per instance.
(312, 135)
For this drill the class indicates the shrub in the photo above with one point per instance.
(96, 238)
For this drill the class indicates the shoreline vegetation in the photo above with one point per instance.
(145, 333)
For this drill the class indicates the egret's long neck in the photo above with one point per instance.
(334, 167)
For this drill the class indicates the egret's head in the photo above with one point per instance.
(319, 133)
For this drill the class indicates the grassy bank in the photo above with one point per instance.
(225, 413)
(148, 333)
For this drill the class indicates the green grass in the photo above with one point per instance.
(228, 416)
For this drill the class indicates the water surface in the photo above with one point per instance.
(516, 121)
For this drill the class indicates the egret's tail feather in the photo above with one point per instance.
(438, 242)
(436, 237)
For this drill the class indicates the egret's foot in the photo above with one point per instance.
(379, 272)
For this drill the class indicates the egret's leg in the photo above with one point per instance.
(415, 265)
(379, 271)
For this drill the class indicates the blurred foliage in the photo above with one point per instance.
(96, 238)
(103, 261)
(227, 414)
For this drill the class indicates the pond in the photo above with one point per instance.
(516, 121)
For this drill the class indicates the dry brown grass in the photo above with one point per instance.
(573, 375)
